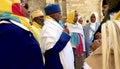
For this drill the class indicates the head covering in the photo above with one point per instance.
(96, 16)
(52, 8)
(11, 9)
(70, 17)
(104, 2)
(114, 5)
(79, 17)
(36, 13)
(11, 6)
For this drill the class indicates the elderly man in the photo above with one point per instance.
(54, 39)
(37, 19)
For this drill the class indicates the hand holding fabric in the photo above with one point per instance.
(96, 44)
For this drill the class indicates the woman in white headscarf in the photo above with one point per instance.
(89, 30)
(79, 23)
(80, 58)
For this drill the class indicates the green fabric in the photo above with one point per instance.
(75, 38)
(8, 16)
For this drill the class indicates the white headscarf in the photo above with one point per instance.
(79, 17)
(93, 25)
(96, 16)
(79, 25)
(81, 32)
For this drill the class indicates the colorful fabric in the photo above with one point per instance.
(117, 16)
(36, 28)
(79, 48)
(52, 59)
(75, 38)
(11, 6)
(18, 48)
(80, 26)
(36, 32)
(36, 13)
(70, 17)
(11, 10)
(36, 25)
(74, 35)
(52, 8)
(81, 32)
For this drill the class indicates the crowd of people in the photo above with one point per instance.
(42, 41)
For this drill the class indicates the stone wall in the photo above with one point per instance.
(84, 7)
(36, 4)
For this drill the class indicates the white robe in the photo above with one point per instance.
(50, 34)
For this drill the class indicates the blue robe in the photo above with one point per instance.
(18, 48)
(52, 58)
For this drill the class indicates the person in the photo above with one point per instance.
(25, 10)
(37, 21)
(108, 53)
(18, 47)
(77, 42)
(54, 40)
(110, 13)
(80, 20)
(104, 7)
(104, 12)
(89, 30)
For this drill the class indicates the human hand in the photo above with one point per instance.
(65, 29)
(97, 43)
(98, 35)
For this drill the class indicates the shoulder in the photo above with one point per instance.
(13, 31)
(14, 35)
(10, 28)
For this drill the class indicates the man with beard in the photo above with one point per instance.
(37, 21)
(108, 54)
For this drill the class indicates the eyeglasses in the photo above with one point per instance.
(22, 4)
(25, 5)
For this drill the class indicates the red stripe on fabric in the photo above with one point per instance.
(79, 48)
(16, 9)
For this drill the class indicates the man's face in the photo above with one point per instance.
(57, 16)
(104, 9)
(24, 9)
(39, 20)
